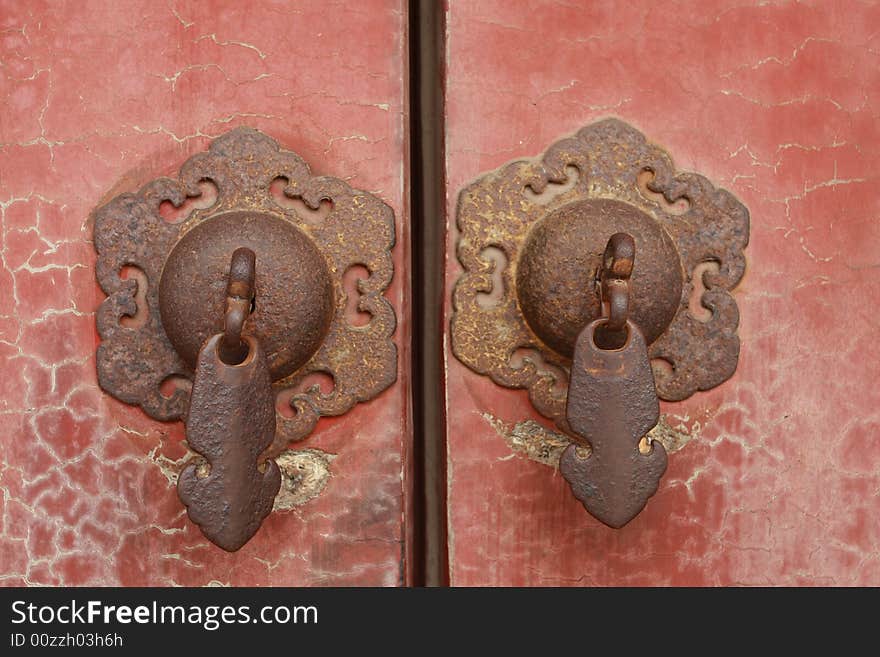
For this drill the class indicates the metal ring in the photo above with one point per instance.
(616, 293)
(236, 315)
(620, 252)
(239, 293)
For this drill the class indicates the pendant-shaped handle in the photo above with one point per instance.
(612, 404)
(231, 422)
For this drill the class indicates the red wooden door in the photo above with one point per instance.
(773, 476)
(100, 98)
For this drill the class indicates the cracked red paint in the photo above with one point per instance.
(98, 101)
(777, 102)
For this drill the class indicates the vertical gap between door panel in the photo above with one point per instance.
(427, 207)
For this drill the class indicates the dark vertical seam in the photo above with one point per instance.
(428, 230)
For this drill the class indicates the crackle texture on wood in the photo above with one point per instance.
(120, 93)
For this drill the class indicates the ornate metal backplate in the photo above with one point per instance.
(244, 166)
(611, 161)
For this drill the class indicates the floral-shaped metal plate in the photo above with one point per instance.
(245, 171)
(611, 165)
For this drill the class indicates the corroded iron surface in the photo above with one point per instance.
(558, 273)
(231, 421)
(614, 279)
(506, 209)
(243, 165)
(239, 302)
(293, 297)
(612, 404)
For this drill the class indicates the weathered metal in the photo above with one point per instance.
(617, 266)
(566, 249)
(295, 297)
(557, 220)
(231, 422)
(282, 295)
(611, 405)
(299, 316)
(553, 239)
(239, 303)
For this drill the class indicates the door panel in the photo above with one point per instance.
(100, 98)
(776, 471)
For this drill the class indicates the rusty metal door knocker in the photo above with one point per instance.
(242, 299)
(603, 249)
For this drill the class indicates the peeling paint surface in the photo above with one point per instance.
(777, 102)
(99, 99)
(304, 475)
(538, 443)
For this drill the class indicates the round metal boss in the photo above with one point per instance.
(294, 299)
(556, 276)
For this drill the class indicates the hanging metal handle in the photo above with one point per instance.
(231, 422)
(200, 322)
(612, 404)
